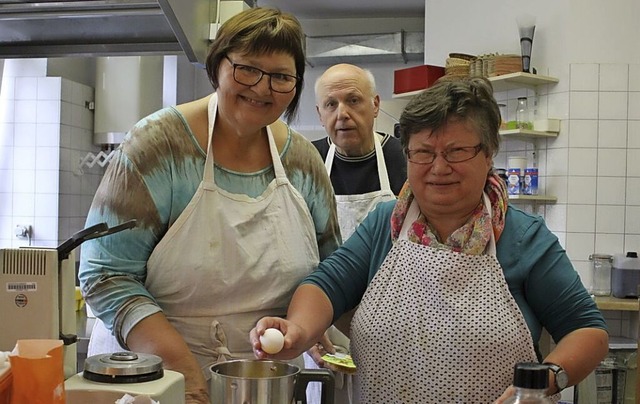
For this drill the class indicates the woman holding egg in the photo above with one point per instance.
(233, 210)
(453, 285)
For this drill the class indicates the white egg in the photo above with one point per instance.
(272, 341)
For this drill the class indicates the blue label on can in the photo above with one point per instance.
(513, 181)
(530, 183)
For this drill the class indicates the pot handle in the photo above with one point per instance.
(324, 376)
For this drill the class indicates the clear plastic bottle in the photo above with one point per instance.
(531, 381)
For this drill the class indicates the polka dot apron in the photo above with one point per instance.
(436, 326)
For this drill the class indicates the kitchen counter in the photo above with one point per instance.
(614, 303)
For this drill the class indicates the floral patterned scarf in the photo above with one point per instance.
(472, 237)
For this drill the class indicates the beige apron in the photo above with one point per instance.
(352, 209)
(230, 259)
(435, 326)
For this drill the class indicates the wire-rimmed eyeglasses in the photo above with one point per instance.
(454, 155)
(250, 76)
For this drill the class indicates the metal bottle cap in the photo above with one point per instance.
(597, 256)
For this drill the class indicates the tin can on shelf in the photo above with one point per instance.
(513, 181)
(530, 183)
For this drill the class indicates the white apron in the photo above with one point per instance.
(352, 209)
(435, 326)
(230, 259)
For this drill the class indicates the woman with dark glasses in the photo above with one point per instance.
(233, 208)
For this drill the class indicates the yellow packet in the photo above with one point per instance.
(340, 362)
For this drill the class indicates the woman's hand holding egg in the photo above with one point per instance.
(272, 341)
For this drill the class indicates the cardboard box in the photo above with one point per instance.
(416, 78)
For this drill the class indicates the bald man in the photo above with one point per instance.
(365, 167)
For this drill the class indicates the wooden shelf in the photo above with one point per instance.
(407, 95)
(614, 303)
(502, 83)
(526, 134)
(518, 80)
(533, 198)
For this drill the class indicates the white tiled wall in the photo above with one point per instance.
(604, 140)
(45, 130)
(77, 184)
(592, 167)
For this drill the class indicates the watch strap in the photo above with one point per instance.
(557, 369)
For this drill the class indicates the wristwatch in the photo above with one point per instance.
(561, 378)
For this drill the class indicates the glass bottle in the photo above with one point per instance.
(522, 114)
(531, 381)
(600, 274)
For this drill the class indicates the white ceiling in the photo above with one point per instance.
(320, 9)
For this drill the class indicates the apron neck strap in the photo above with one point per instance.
(278, 168)
(382, 167)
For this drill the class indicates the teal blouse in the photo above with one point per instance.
(540, 276)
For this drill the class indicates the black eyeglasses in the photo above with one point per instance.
(250, 76)
(454, 155)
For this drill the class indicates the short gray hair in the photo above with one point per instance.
(469, 100)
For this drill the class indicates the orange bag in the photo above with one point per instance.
(38, 372)
(5, 384)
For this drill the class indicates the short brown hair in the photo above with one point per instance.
(470, 100)
(260, 30)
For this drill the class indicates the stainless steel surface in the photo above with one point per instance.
(105, 27)
(123, 364)
(352, 9)
(259, 382)
(138, 27)
(264, 382)
(108, 137)
(383, 47)
(190, 21)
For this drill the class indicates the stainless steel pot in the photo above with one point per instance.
(266, 382)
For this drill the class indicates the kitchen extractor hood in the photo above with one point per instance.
(105, 28)
(399, 46)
